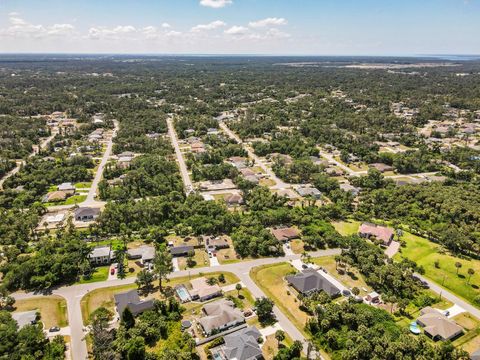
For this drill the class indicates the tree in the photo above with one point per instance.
(190, 259)
(221, 278)
(163, 265)
(355, 291)
(128, 320)
(458, 265)
(280, 336)
(264, 308)
(470, 274)
(211, 281)
(6, 301)
(238, 287)
(136, 348)
(145, 280)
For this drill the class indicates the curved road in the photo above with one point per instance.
(73, 295)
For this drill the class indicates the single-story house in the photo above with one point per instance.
(55, 196)
(215, 243)
(437, 325)
(238, 161)
(350, 188)
(124, 162)
(233, 199)
(101, 255)
(381, 167)
(182, 250)
(247, 172)
(310, 281)
(309, 191)
(285, 234)
(220, 315)
(373, 297)
(86, 213)
(67, 188)
(25, 318)
(240, 345)
(145, 253)
(131, 300)
(382, 233)
(202, 291)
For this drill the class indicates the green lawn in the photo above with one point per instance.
(425, 253)
(83, 185)
(100, 274)
(72, 200)
(346, 228)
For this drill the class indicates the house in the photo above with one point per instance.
(202, 291)
(145, 253)
(247, 172)
(212, 131)
(285, 234)
(131, 300)
(220, 315)
(213, 244)
(182, 250)
(475, 355)
(233, 199)
(252, 178)
(240, 345)
(382, 233)
(86, 213)
(373, 297)
(25, 318)
(55, 196)
(124, 162)
(101, 255)
(317, 161)
(67, 188)
(437, 325)
(350, 188)
(288, 193)
(381, 167)
(309, 191)
(310, 281)
(55, 218)
(238, 161)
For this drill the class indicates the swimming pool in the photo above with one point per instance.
(182, 293)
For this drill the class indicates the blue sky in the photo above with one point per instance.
(310, 27)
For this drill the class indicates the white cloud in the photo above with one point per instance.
(216, 4)
(210, 26)
(115, 33)
(272, 21)
(20, 28)
(166, 25)
(236, 30)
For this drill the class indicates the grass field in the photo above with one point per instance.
(72, 200)
(53, 309)
(100, 274)
(297, 246)
(83, 185)
(346, 228)
(266, 182)
(104, 296)
(328, 263)
(200, 258)
(270, 278)
(425, 253)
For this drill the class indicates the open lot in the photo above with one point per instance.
(346, 228)
(100, 274)
(270, 278)
(200, 258)
(53, 309)
(426, 253)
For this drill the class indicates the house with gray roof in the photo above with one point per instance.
(86, 213)
(310, 281)
(309, 191)
(131, 300)
(475, 355)
(181, 250)
(240, 345)
(145, 253)
(101, 255)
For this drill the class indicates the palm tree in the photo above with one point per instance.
(470, 273)
(238, 287)
(458, 265)
(280, 336)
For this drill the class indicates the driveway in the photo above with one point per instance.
(392, 249)
(214, 261)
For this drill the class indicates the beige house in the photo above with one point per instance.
(437, 325)
(202, 291)
(220, 315)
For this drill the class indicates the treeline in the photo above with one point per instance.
(18, 134)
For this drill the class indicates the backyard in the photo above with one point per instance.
(346, 228)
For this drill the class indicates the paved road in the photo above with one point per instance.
(73, 295)
(181, 161)
(90, 200)
(35, 151)
(349, 171)
(451, 297)
(279, 183)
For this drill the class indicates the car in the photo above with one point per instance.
(54, 329)
(112, 271)
(346, 292)
(304, 266)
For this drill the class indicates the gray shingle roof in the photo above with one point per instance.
(311, 280)
(243, 344)
(131, 300)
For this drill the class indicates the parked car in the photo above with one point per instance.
(346, 293)
(54, 329)
(304, 266)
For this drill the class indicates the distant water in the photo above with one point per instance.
(456, 57)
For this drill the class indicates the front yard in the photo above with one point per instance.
(53, 309)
